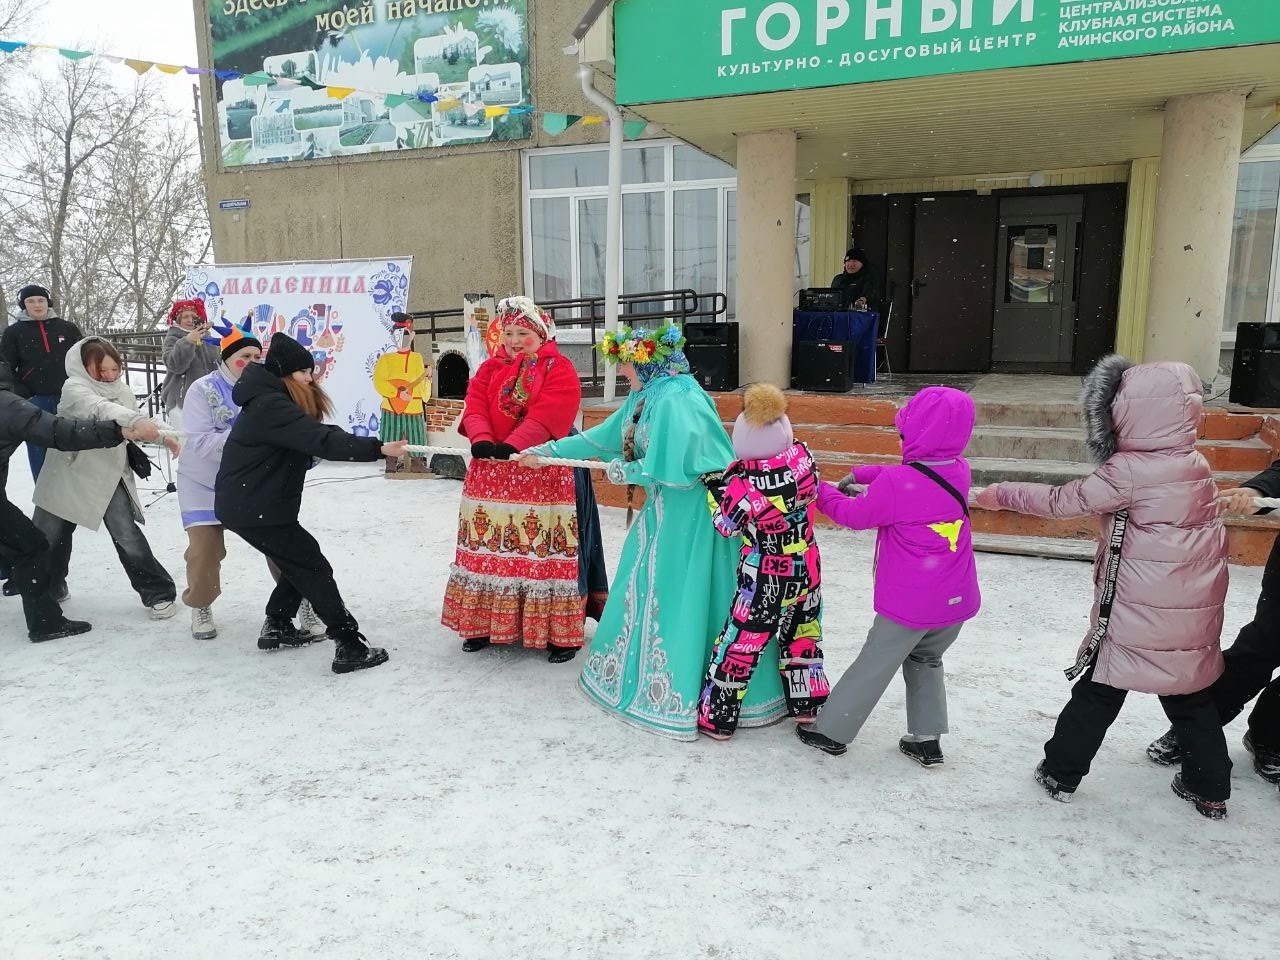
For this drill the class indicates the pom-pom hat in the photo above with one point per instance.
(762, 430)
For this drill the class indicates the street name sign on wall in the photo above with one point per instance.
(681, 50)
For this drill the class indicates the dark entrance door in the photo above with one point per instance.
(953, 272)
(1035, 302)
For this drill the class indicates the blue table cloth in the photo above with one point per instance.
(860, 326)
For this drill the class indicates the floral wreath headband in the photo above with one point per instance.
(626, 345)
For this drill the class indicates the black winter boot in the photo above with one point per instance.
(1051, 785)
(557, 654)
(1266, 763)
(277, 632)
(1213, 809)
(473, 644)
(63, 628)
(10, 588)
(819, 742)
(927, 753)
(351, 654)
(1166, 751)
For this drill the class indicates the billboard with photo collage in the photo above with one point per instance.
(328, 78)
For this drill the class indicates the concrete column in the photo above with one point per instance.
(766, 254)
(1191, 247)
(830, 228)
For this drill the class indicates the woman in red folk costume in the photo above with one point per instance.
(516, 577)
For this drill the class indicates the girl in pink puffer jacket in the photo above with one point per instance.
(1160, 575)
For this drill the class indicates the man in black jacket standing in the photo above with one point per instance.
(857, 283)
(1255, 656)
(35, 347)
(23, 549)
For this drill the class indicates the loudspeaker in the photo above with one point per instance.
(712, 349)
(1255, 369)
(823, 365)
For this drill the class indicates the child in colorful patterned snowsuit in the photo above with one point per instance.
(767, 497)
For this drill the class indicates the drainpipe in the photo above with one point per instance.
(613, 214)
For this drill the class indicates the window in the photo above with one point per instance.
(1251, 280)
(679, 222)
(672, 237)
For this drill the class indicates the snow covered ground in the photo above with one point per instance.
(162, 797)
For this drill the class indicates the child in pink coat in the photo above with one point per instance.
(1160, 575)
(926, 582)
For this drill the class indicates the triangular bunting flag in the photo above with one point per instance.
(168, 68)
(592, 121)
(75, 54)
(195, 70)
(428, 97)
(557, 123)
(471, 109)
(521, 111)
(228, 74)
(634, 128)
(444, 105)
(141, 66)
(395, 99)
(258, 79)
(339, 93)
(311, 84)
(492, 112)
(11, 46)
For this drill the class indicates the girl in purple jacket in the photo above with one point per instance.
(926, 582)
(1160, 576)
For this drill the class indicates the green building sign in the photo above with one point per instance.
(690, 49)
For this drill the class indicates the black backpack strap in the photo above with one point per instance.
(936, 478)
(1089, 653)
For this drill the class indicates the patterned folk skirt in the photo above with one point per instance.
(515, 573)
(403, 426)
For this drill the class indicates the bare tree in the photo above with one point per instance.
(13, 14)
(159, 222)
(106, 199)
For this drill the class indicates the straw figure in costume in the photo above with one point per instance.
(209, 413)
(529, 565)
(403, 380)
(766, 499)
(676, 576)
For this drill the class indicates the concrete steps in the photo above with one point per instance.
(1027, 442)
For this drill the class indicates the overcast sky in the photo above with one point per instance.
(162, 30)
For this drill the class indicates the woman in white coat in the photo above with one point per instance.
(93, 488)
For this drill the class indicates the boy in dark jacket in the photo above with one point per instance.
(23, 549)
(258, 494)
(35, 347)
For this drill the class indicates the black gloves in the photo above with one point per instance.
(486, 450)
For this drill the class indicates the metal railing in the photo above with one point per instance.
(587, 313)
(144, 366)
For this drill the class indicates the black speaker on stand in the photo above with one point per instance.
(712, 349)
(1255, 368)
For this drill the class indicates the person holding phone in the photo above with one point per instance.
(187, 355)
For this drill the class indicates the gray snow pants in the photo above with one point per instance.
(891, 645)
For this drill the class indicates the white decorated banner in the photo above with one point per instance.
(340, 310)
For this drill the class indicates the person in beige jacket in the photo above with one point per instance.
(92, 488)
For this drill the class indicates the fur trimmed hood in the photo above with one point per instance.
(1150, 406)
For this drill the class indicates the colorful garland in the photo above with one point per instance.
(640, 346)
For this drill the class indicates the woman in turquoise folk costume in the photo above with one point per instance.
(677, 575)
